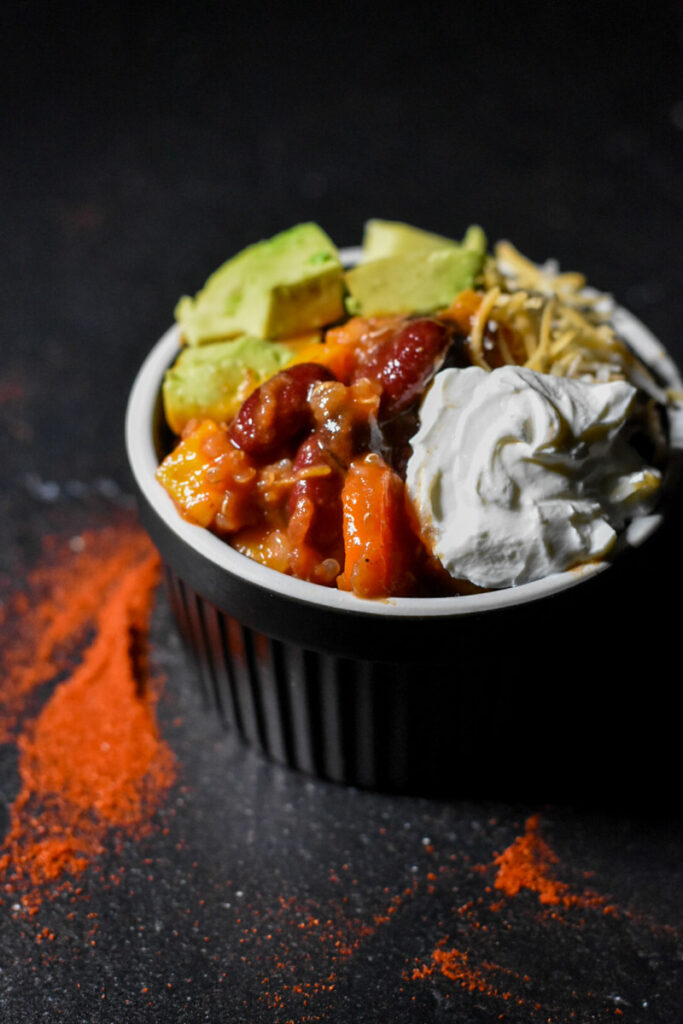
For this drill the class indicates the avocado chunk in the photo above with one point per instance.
(408, 270)
(212, 381)
(475, 241)
(391, 237)
(412, 282)
(281, 286)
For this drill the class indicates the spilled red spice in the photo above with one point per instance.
(303, 950)
(529, 863)
(455, 965)
(302, 945)
(92, 759)
(43, 628)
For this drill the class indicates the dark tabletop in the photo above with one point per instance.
(138, 152)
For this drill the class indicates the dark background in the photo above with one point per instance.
(139, 149)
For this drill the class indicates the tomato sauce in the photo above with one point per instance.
(308, 477)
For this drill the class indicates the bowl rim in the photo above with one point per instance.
(143, 460)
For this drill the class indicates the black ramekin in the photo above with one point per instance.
(463, 695)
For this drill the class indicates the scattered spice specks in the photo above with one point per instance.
(502, 936)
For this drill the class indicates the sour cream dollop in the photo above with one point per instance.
(516, 474)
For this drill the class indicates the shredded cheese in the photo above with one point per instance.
(563, 330)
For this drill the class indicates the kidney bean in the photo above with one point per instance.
(277, 411)
(404, 364)
(315, 510)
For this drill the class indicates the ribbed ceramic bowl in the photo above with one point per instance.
(407, 694)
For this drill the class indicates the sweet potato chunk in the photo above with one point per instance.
(196, 472)
(380, 549)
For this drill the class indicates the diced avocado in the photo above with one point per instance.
(475, 240)
(391, 237)
(212, 381)
(412, 282)
(280, 286)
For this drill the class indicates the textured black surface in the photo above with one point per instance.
(139, 151)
